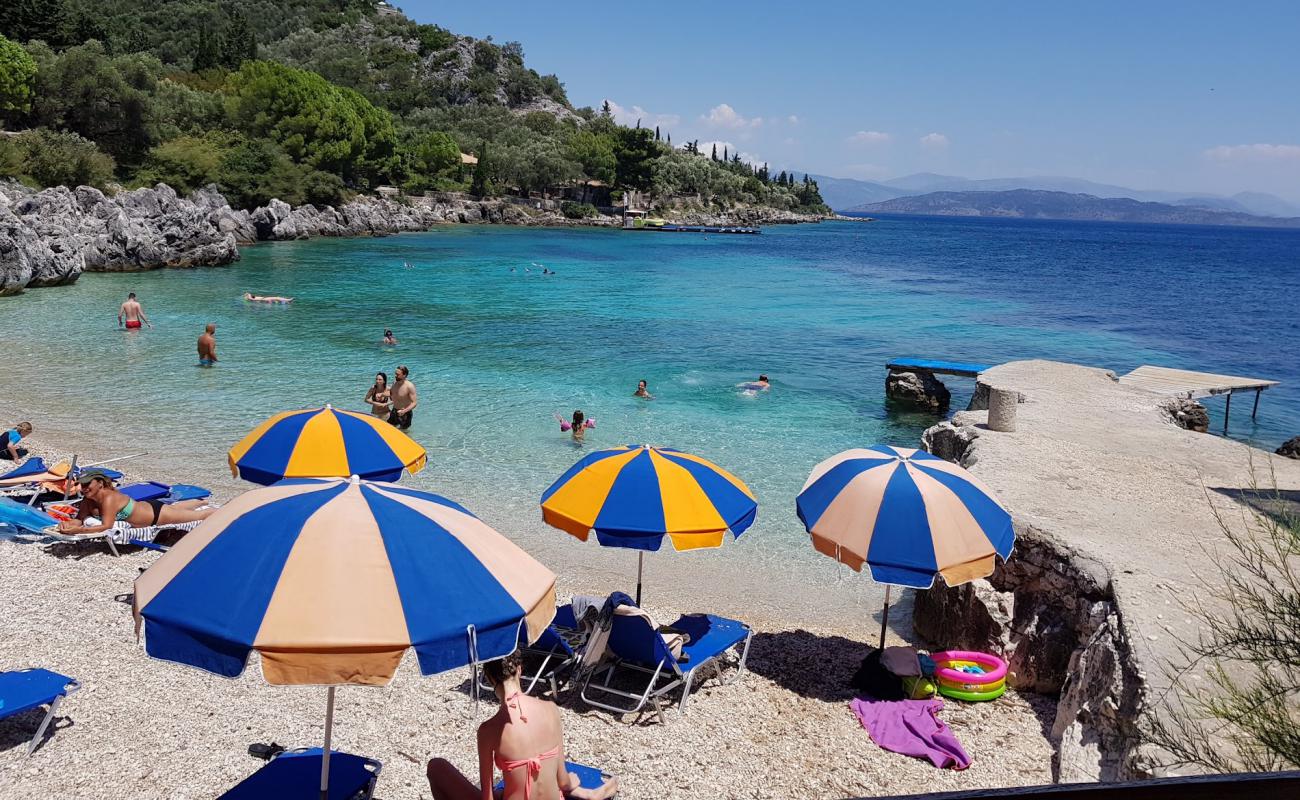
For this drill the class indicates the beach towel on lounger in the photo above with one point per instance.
(913, 728)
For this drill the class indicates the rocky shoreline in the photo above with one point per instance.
(48, 238)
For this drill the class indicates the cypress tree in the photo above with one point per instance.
(208, 53)
(240, 43)
(714, 154)
(725, 157)
(656, 133)
(479, 184)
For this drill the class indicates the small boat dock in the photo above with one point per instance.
(1193, 385)
(936, 367)
(634, 220)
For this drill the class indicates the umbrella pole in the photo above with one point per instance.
(884, 618)
(325, 760)
(640, 561)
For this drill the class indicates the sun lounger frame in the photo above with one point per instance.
(563, 653)
(668, 668)
(71, 686)
(121, 533)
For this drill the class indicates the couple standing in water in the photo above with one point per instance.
(395, 403)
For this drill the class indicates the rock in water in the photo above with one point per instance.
(1188, 414)
(917, 390)
(1290, 448)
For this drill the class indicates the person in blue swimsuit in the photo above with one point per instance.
(9, 449)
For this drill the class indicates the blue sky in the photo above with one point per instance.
(1186, 96)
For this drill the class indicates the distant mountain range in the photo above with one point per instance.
(846, 193)
(1037, 204)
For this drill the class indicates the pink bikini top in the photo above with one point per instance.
(533, 764)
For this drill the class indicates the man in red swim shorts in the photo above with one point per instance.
(133, 313)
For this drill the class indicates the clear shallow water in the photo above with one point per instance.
(494, 353)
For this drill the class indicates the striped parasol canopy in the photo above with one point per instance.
(332, 581)
(906, 514)
(637, 495)
(324, 443)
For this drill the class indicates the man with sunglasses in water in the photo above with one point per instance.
(404, 399)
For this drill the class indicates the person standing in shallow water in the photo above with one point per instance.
(404, 399)
(133, 313)
(208, 346)
(642, 391)
(378, 397)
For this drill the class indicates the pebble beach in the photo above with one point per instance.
(141, 728)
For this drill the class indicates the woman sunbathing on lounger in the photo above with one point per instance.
(526, 732)
(100, 499)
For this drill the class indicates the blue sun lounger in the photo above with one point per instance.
(295, 774)
(25, 689)
(588, 777)
(551, 658)
(638, 648)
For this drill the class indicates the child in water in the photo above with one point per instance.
(579, 431)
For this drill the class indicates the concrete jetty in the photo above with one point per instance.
(1114, 511)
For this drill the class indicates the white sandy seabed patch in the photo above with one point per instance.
(141, 728)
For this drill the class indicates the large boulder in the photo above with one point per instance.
(919, 391)
(15, 239)
(1290, 448)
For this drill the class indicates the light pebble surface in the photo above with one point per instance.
(141, 728)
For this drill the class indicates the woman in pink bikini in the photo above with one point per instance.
(525, 741)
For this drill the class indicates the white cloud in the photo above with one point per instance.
(792, 119)
(1254, 152)
(724, 116)
(868, 137)
(629, 116)
(934, 141)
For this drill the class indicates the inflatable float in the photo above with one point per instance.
(970, 676)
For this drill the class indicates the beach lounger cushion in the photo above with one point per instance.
(638, 649)
(588, 777)
(149, 490)
(295, 774)
(24, 690)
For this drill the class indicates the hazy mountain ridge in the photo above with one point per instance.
(848, 193)
(1038, 204)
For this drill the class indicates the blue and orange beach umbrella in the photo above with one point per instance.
(332, 581)
(637, 495)
(907, 515)
(324, 443)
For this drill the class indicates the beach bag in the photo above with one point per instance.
(872, 679)
(919, 688)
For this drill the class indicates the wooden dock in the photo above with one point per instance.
(1193, 385)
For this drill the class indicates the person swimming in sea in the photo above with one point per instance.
(273, 299)
(753, 387)
(642, 391)
(389, 338)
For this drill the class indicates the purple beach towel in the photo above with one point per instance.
(913, 728)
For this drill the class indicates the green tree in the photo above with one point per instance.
(594, 154)
(254, 171)
(104, 98)
(480, 186)
(186, 162)
(435, 154)
(28, 20)
(317, 123)
(59, 158)
(239, 43)
(634, 155)
(207, 54)
(17, 76)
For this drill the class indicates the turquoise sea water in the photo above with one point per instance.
(819, 308)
